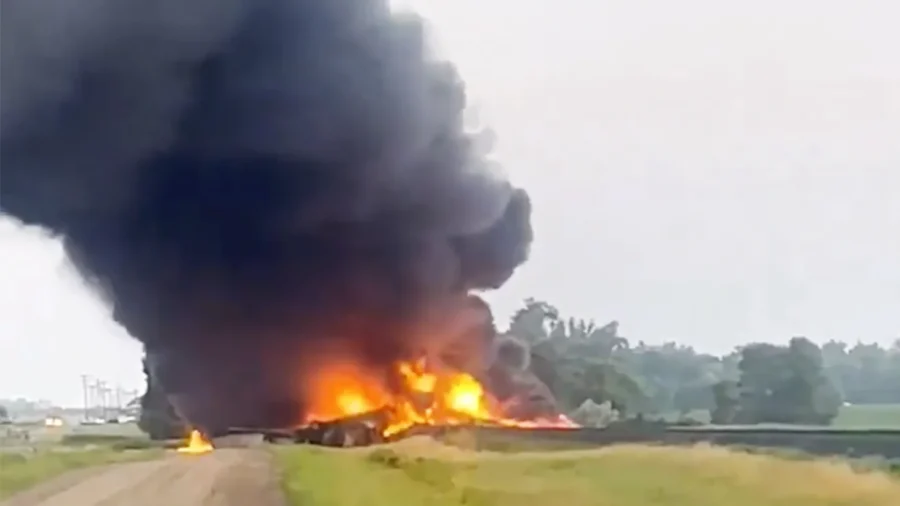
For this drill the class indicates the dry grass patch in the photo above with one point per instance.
(421, 471)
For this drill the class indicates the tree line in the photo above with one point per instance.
(593, 371)
(799, 382)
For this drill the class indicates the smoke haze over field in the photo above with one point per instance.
(253, 184)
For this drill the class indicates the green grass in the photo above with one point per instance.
(700, 415)
(118, 442)
(48, 436)
(421, 471)
(19, 471)
(858, 416)
(879, 416)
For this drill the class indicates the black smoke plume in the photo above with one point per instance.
(254, 184)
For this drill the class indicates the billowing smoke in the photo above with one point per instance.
(513, 353)
(253, 184)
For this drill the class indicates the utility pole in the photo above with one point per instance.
(84, 390)
(95, 396)
(101, 398)
(106, 401)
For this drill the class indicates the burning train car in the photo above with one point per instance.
(342, 402)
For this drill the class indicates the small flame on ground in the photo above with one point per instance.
(431, 398)
(197, 444)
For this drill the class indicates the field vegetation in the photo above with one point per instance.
(850, 417)
(423, 471)
(49, 452)
(867, 416)
(21, 470)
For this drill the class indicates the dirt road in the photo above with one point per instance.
(227, 477)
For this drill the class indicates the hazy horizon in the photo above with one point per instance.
(702, 173)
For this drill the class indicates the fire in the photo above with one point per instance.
(341, 390)
(197, 444)
(353, 403)
(426, 397)
(466, 396)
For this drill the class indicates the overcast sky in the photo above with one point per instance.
(700, 172)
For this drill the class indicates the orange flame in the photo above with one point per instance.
(197, 444)
(427, 397)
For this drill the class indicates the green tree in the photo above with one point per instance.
(864, 373)
(785, 384)
(533, 322)
(4, 414)
(727, 399)
(575, 357)
(675, 377)
(694, 395)
(796, 383)
(584, 336)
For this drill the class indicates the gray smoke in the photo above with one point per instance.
(249, 182)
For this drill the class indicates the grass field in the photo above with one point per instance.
(883, 416)
(40, 435)
(56, 450)
(861, 416)
(422, 471)
(19, 471)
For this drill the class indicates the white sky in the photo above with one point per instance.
(701, 172)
